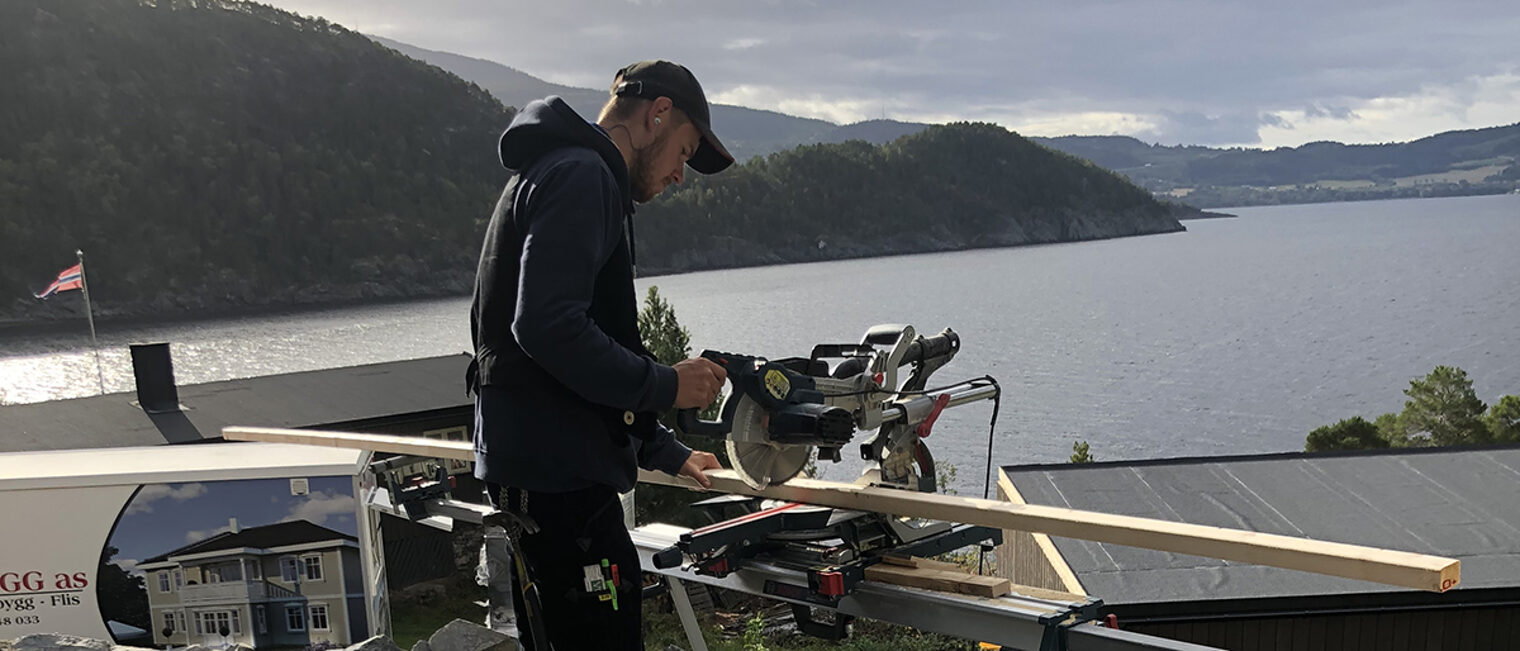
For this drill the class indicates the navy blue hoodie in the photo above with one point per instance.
(566, 393)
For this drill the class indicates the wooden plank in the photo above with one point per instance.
(1390, 567)
(941, 580)
(1026, 590)
(415, 445)
(1048, 594)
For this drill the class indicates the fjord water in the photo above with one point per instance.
(1237, 336)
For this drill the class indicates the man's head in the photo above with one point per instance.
(665, 114)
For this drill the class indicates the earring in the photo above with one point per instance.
(657, 120)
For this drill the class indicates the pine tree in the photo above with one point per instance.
(1444, 410)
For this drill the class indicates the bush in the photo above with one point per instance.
(1353, 433)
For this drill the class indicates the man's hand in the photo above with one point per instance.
(697, 463)
(698, 381)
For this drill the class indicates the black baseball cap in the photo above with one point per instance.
(655, 79)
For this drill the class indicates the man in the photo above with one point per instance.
(567, 397)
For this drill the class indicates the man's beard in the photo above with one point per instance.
(642, 175)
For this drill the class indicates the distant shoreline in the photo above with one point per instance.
(22, 327)
(117, 316)
(1207, 214)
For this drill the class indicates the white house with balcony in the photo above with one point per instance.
(286, 584)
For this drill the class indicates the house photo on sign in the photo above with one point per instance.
(265, 563)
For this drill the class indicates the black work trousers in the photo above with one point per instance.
(578, 530)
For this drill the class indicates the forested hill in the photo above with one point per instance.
(1473, 161)
(947, 187)
(1315, 161)
(215, 155)
(212, 154)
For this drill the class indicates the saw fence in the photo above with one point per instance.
(1389, 567)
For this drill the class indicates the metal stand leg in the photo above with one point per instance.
(688, 616)
(495, 573)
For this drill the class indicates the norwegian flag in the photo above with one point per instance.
(71, 278)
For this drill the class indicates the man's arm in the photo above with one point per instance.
(568, 236)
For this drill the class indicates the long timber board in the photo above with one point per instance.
(1385, 566)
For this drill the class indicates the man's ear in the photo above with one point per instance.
(659, 110)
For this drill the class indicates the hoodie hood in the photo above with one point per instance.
(548, 124)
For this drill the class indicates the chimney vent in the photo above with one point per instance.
(232, 525)
(154, 371)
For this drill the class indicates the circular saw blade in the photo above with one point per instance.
(759, 461)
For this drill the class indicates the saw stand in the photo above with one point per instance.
(1014, 621)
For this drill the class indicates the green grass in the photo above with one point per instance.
(414, 622)
(663, 629)
(737, 631)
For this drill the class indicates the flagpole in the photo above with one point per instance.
(84, 285)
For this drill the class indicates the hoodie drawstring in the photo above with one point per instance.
(633, 255)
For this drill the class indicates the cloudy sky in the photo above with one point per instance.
(165, 517)
(1252, 73)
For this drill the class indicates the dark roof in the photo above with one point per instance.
(293, 532)
(1455, 502)
(294, 400)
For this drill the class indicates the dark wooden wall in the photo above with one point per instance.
(1476, 628)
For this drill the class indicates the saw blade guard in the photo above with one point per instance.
(757, 459)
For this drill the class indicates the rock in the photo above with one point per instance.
(376, 643)
(460, 635)
(55, 642)
(421, 645)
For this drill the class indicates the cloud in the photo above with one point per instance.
(317, 507)
(1194, 128)
(743, 43)
(1183, 71)
(151, 493)
(1464, 103)
(1098, 123)
(837, 110)
(128, 565)
(1274, 120)
(197, 536)
(1318, 110)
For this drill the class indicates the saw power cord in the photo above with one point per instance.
(997, 403)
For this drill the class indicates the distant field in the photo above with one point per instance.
(1474, 175)
(1344, 185)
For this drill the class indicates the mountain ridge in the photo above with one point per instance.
(747, 132)
(1202, 176)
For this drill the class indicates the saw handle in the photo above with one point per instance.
(690, 422)
(932, 348)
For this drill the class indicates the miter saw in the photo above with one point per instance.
(780, 411)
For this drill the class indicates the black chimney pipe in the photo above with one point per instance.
(154, 370)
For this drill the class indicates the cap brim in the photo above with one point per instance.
(711, 157)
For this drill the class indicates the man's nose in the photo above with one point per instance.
(680, 174)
